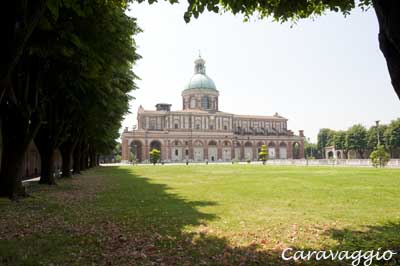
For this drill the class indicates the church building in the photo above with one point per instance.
(201, 132)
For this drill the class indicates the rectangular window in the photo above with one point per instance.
(152, 124)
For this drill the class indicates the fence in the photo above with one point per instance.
(393, 163)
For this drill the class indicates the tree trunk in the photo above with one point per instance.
(45, 144)
(92, 158)
(361, 153)
(16, 136)
(77, 160)
(47, 167)
(67, 152)
(84, 156)
(82, 162)
(11, 168)
(388, 14)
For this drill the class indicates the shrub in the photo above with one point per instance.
(263, 154)
(154, 156)
(379, 157)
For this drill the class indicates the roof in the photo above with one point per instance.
(196, 111)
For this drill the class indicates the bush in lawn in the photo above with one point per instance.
(379, 156)
(154, 156)
(263, 154)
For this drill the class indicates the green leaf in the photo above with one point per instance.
(54, 6)
(187, 16)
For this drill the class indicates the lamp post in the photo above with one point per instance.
(377, 130)
(311, 155)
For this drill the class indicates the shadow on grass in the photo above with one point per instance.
(158, 227)
(162, 216)
(138, 222)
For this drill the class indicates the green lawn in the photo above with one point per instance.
(201, 215)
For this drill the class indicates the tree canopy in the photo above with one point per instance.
(360, 139)
(279, 10)
(67, 86)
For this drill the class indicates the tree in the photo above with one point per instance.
(339, 140)
(311, 150)
(379, 156)
(356, 139)
(372, 136)
(263, 154)
(387, 12)
(64, 83)
(154, 156)
(325, 138)
(392, 137)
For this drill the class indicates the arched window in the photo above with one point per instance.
(205, 102)
(192, 102)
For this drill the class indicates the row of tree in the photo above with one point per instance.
(66, 70)
(359, 139)
(64, 83)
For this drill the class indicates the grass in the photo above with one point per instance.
(202, 215)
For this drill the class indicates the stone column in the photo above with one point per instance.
(168, 149)
(191, 152)
(142, 151)
(255, 151)
(301, 150)
(125, 149)
(146, 150)
(164, 151)
(233, 146)
(241, 156)
(277, 156)
(205, 151)
(219, 150)
(289, 150)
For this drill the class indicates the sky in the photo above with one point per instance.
(321, 73)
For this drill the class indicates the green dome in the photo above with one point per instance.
(200, 80)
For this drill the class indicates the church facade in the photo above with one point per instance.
(201, 132)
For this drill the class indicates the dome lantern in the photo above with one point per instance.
(199, 66)
(200, 92)
(200, 80)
